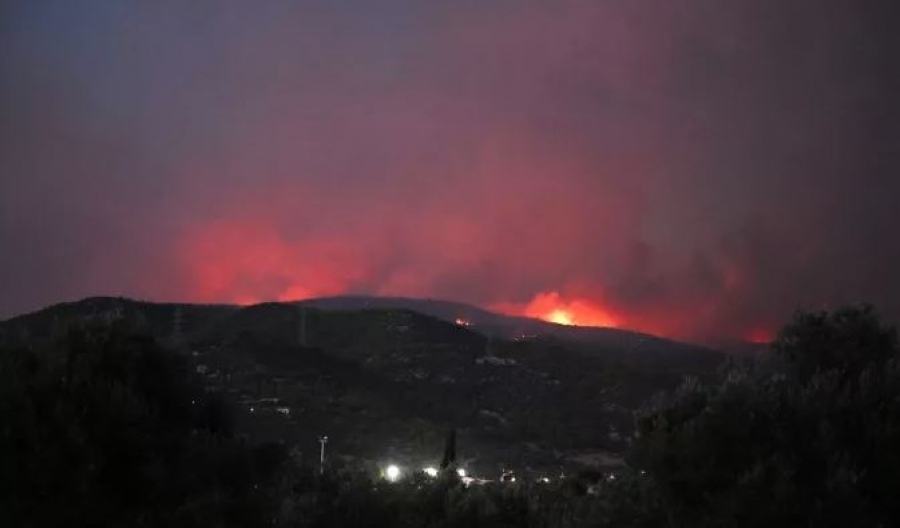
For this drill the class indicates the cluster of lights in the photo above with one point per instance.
(393, 473)
(508, 476)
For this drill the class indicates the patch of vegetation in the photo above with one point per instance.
(108, 428)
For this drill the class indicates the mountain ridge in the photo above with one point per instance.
(485, 321)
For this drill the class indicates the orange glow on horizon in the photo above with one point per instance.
(249, 260)
(760, 336)
(246, 262)
(560, 316)
(551, 307)
(246, 301)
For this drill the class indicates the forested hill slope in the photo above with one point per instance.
(387, 381)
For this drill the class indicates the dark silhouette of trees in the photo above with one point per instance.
(810, 437)
(107, 428)
(449, 459)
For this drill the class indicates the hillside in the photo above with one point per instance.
(622, 345)
(385, 378)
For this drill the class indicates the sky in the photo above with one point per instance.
(696, 169)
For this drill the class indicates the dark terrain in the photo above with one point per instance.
(385, 378)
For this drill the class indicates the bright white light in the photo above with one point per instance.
(544, 480)
(392, 473)
(461, 472)
(430, 471)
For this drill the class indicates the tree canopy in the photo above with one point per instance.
(810, 436)
(108, 428)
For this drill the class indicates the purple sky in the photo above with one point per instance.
(696, 169)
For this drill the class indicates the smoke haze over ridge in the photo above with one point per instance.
(693, 169)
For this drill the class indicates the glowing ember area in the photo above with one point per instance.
(550, 306)
(463, 322)
(760, 336)
(560, 317)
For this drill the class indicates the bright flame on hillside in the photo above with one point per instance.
(551, 307)
(462, 322)
(560, 316)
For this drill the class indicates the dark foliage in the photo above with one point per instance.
(810, 438)
(449, 459)
(107, 428)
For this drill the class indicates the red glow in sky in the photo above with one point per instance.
(246, 262)
(562, 160)
(760, 335)
(251, 256)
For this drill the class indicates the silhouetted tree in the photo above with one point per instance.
(108, 428)
(809, 438)
(449, 458)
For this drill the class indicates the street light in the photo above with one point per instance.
(322, 440)
(431, 471)
(461, 472)
(392, 473)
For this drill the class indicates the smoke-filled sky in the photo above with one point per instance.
(694, 168)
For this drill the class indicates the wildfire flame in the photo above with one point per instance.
(551, 307)
(560, 316)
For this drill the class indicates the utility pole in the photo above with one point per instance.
(322, 440)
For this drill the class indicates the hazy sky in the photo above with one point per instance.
(693, 168)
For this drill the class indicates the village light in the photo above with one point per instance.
(392, 473)
(430, 471)
(461, 472)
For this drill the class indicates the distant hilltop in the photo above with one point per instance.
(630, 345)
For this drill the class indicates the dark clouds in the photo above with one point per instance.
(693, 168)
